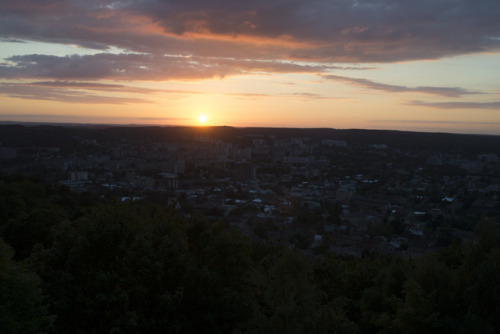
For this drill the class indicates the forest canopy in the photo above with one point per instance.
(70, 264)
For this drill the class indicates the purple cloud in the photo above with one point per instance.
(317, 30)
(141, 67)
(495, 105)
(363, 30)
(442, 91)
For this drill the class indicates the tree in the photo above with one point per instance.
(287, 298)
(433, 299)
(218, 292)
(115, 269)
(22, 309)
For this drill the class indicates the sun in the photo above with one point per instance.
(202, 119)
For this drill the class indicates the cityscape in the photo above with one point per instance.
(317, 190)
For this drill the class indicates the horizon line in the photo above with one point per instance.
(39, 123)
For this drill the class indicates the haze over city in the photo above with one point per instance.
(415, 65)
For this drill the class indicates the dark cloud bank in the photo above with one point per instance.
(320, 30)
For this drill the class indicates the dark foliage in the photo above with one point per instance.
(83, 267)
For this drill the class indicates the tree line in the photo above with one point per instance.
(71, 264)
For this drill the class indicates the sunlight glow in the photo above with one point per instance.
(202, 119)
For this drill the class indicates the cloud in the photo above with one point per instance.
(205, 39)
(426, 121)
(142, 67)
(82, 92)
(95, 86)
(40, 92)
(362, 30)
(307, 30)
(495, 105)
(101, 87)
(11, 40)
(298, 96)
(161, 119)
(442, 91)
(8, 118)
(312, 96)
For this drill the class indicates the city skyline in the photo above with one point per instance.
(418, 66)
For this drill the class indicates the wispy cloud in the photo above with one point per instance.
(297, 95)
(442, 91)
(85, 119)
(39, 92)
(11, 40)
(94, 86)
(95, 92)
(433, 122)
(495, 105)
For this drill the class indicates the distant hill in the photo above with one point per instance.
(15, 135)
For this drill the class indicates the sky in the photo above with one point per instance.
(416, 65)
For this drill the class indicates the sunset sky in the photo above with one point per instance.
(420, 65)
